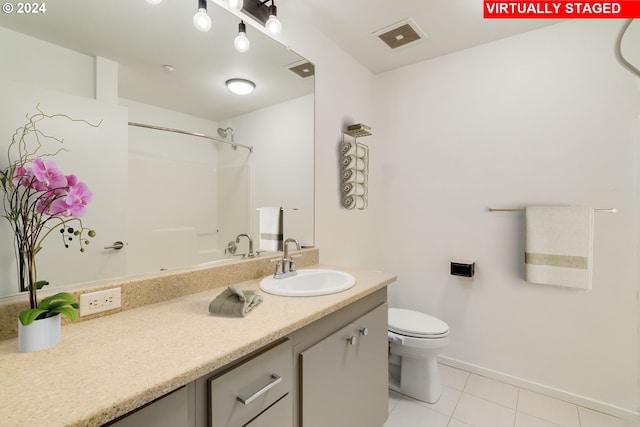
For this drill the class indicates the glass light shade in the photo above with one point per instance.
(201, 20)
(273, 26)
(241, 42)
(236, 4)
(240, 86)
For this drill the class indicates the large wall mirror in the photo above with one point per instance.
(175, 200)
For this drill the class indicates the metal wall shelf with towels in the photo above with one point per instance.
(355, 167)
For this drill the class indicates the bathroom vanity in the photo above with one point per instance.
(291, 362)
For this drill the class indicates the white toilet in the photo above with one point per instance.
(415, 340)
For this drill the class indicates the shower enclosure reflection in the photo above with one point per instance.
(174, 200)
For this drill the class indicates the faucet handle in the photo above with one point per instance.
(279, 266)
(292, 263)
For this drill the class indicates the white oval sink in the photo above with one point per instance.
(308, 283)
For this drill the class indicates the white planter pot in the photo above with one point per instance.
(39, 335)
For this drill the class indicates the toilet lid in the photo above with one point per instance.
(416, 324)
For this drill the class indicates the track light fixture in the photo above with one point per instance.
(201, 20)
(268, 15)
(241, 41)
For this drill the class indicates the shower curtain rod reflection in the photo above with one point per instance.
(608, 210)
(199, 135)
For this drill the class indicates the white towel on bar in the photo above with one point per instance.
(271, 228)
(559, 246)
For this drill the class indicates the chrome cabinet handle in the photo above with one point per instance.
(364, 332)
(116, 245)
(352, 340)
(275, 380)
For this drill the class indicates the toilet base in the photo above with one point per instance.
(418, 379)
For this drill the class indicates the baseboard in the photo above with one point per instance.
(543, 389)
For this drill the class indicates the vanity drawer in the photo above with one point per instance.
(240, 394)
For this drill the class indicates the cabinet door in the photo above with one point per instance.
(168, 411)
(344, 377)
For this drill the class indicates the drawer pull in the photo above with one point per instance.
(275, 380)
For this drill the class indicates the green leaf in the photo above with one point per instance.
(28, 316)
(67, 311)
(41, 284)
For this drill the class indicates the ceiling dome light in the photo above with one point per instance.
(240, 86)
(201, 20)
(154, 1)
(272, 25)
(241, 41)
(236, 4)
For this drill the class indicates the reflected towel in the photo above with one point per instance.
(234, 302)
(559, 246)
(271, 229)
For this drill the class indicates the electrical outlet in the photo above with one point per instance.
(97, 302)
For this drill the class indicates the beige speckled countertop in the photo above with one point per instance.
(111, 365)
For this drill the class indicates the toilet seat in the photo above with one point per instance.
(415, 324)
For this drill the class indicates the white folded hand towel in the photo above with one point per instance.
(271, 229)
(559, 246)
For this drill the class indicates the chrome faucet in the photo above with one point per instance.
(286, 266)
(251, 254)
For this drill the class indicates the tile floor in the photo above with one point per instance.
(469, 400)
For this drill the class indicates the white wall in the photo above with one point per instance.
(344, 95)
(546, 117)
(281, 163)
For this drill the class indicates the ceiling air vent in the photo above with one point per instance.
(400, 34)
(303, 69)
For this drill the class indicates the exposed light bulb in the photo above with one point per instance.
(272, 25)
(201, 20)
(241, 42)
(236, 4)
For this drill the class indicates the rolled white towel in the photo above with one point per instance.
(353, 149)
(353, 162)
(351, 175)
(353, 189)
(357, 202)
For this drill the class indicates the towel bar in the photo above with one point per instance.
(609, 210)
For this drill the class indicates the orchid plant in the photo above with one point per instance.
(38, 199)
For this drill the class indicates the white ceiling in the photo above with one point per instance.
(142, 38)
(450, 25)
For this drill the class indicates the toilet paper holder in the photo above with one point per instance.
(462, 268)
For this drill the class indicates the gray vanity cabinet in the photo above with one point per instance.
(344, 377)
(170, 410)
(256, 392)
(330, 373)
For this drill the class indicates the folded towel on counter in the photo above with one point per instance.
(234, 302)
(559, 246)
(271, 229)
